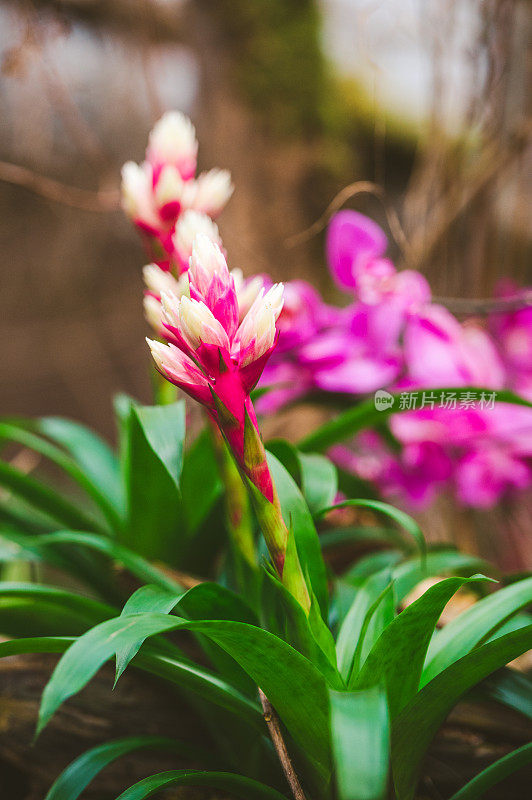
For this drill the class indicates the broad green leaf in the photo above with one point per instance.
(414, 728)
(367, 592)
(436, 563)
(146, 598)
(495, 773)
(237, 785)
(400, 517)
(44, 499)
(364, 415)
(398, 655)
(23, 433)
(360, 732)
(164, 429)
(299, 519)
(185, 676)
(460, 635)
(296, 689)
(212, 601)
(77, 776)
(151, 460)
(379, 616)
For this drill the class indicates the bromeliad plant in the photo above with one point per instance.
(323, 685)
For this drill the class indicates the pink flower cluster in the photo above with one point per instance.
(392, 336)
(217, 344)
(156, 193)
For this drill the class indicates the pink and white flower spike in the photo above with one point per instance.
(217, 358)
(157, 192)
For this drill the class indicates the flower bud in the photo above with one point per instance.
(173, 141)
(256, 334)
(173, 363)
(137, 199)
(189, 225)
(195, 321)
(210, 192)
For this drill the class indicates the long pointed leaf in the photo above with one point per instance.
(403, 519)
(360, 731)
(414, 728)
(45, 499)
(295, 688)
(365, 415)
(19, 434)
(397, 657)
(299, 519)
(495, 773)
(77, 776)
(460, 635)
(237, 785)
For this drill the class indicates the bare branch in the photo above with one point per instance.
(359, 187)
(272, 721)
(165, 19)
(102, 201)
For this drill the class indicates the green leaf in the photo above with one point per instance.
(285, 617)
(137, 565)
(212, 601)
(397, 657)
(237, 785)
(164, 428)
(436, 563)
(315, 474)
(415, 726)
(200, 469)
(400, 517)
(93, 455)
(296, 689)
(370, 564)
(146, 598)
(91, 610)
(511, 688)
(183, 674)
(495, 773)
(460, 635)
(366, 594)
(152, 454)
(77, 776)
(364, 415)
(44, 499)
(361, 742)
(319, 480)
(339, 537)
(24, 433)
(299, 519)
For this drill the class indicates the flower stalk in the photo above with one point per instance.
(220, 334)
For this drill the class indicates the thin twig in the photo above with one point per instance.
(84, 199)
(359, 187)
(272, 721)
(490, 305)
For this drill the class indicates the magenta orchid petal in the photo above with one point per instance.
(352, 238)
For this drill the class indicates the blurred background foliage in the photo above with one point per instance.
(417, 111)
